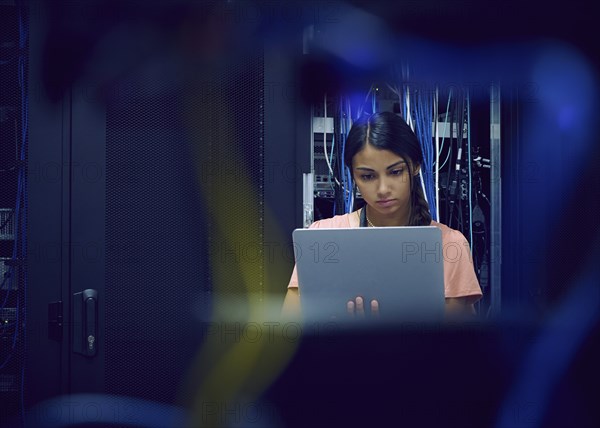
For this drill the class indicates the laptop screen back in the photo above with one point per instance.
(400, 267)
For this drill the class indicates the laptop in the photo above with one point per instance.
(400, 267)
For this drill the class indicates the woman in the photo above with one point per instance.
(384, 156)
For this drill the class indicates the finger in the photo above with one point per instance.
(375, 308)
(350, 307)
(360, 306)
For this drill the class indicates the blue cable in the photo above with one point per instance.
(351, 187)
(422, 106)
(403, 102)
(342, 144)
(429, 133)
(423, 117)
(347, 170)
(373, 101)
(346, 181)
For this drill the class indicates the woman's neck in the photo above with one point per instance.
(377, 219)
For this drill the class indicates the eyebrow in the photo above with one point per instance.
(364, 168)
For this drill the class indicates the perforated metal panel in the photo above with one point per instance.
(167, 124)
(11, 141)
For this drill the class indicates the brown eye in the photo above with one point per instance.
(366, 177)
(397, 171)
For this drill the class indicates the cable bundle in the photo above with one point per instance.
(422, 113)
(347, 183)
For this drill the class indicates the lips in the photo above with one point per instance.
(385, 202)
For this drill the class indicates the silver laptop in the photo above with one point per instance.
(400, 267)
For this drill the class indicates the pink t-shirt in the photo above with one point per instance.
(459, 276)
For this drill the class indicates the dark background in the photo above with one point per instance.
(130, 106)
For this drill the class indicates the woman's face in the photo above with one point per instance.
(383, 179)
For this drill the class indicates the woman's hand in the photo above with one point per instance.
(356, 307)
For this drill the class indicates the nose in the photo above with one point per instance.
(383, 187)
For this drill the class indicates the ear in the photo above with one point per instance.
(417, 169)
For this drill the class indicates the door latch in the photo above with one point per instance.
(85, 322)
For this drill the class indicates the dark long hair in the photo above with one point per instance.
(387, 131)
